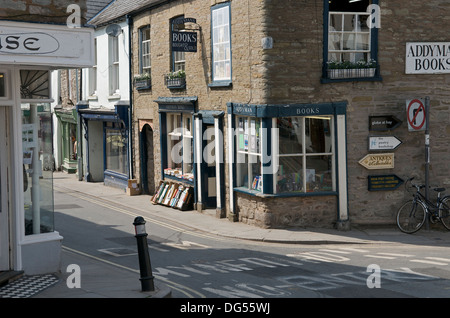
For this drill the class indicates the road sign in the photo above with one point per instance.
(415, 112)
(378, 161)
(384, 182)
(384, 143)
(383, 123)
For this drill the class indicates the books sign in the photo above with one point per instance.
(427, 58)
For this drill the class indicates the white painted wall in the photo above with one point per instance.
(103, 96)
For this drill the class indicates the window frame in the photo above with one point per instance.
(114, 64)
(178, 59)
(225, 81)
(304, 154)
(176, 127)
(143, 69)
(246, 154)
(373, 49)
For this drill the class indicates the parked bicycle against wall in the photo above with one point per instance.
(412, 215)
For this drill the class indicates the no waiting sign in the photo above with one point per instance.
(415, 112)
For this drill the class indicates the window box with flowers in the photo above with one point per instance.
(142, 81)
(346, 69)
(175, 79)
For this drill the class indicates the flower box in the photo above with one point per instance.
(351, 73)
(175, 80)
(142, 84)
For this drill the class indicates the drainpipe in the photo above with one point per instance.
(130, 108)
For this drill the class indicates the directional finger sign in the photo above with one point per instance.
(415, 112)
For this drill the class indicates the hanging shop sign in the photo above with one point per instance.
(43, 44)
(427, 58)
(384, 182)
(378, 161)
(184, 41)
(383, 123)
(379, 143)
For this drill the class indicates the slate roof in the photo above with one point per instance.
(94, 7)
(118, 9)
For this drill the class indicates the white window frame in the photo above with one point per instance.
(114, 77)
(145, 48)
(93, 73)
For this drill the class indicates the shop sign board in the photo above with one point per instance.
(184, 41)
(378, 143)
(383, 123)
(384, 182)
(427, 58)
(378, 161)
(44, 44)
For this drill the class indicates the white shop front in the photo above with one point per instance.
(28, 52)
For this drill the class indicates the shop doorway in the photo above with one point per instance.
(210, 158)
(147, 162)
(4, 193)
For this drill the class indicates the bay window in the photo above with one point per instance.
(305, 154)
(249, 153)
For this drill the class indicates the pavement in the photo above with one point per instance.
(104, 280)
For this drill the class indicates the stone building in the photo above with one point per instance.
(279, 100)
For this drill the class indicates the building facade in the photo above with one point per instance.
(104, 109)
(29, 52)
(280, 115)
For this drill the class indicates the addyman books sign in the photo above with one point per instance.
(427, 58)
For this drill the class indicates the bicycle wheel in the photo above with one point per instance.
(411, 216)
(444, 212)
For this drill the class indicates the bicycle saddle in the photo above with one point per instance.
(439, 189)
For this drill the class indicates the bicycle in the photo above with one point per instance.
(411, 215)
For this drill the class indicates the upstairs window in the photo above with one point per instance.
(351, 45)
(145, 60)
(221, 43)
(114, 65)
(178, 58)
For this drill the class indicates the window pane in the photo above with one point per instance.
(290, 174)
(317, 135)
(116, 150)
(290, 133)
(318, 173)
(221, 44)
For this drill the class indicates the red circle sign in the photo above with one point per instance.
(413, 114)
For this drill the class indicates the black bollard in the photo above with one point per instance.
(144, 257)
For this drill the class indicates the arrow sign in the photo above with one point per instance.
(384, 182)
(378, 161)
(384, 142)
(383, 123)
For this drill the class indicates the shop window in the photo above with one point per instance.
(351, 50)
(116, 148)
(37, 145)
(180, 146)
(221, 43)
(305, 154)
(248, 169)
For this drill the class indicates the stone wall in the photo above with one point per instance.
(43, 11)
(294, 69)
(290, 73)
